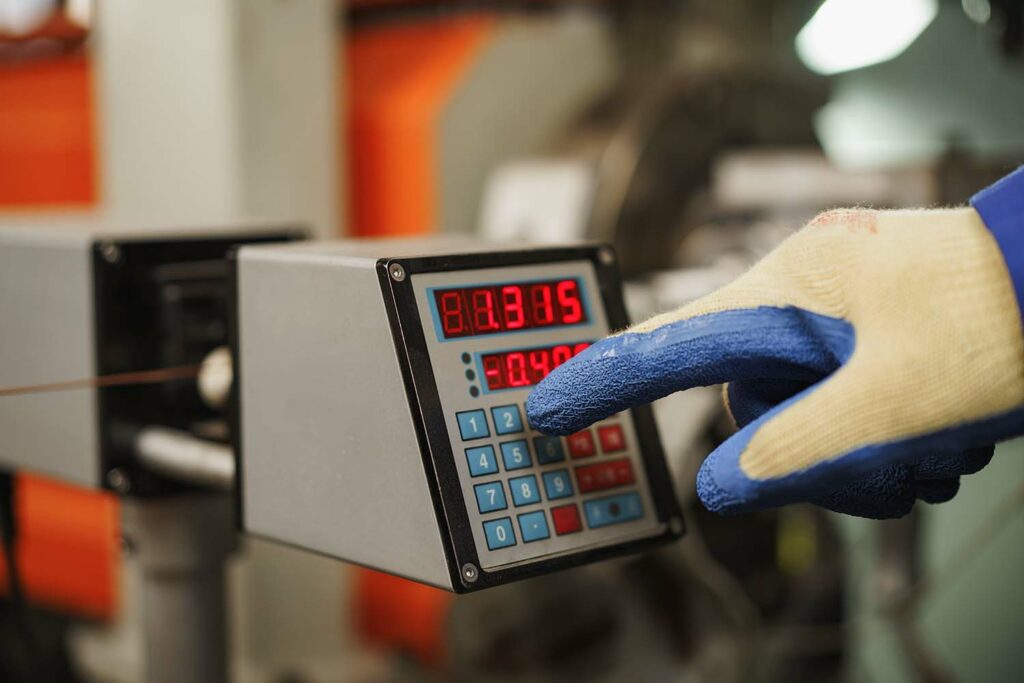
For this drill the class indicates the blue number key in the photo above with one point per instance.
(472, 425)
(481, 460)
(507, 419)
(490, 497)
(524, 490)
(557, 484)
(516, 454)
(499, 533)
(533, 526)
(549, 449)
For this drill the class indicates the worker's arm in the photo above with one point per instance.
(871, 359)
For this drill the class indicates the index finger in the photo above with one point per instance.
(632, 368)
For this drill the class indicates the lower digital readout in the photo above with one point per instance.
(525, 367)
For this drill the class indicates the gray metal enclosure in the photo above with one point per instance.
(47, 335)
(317, 359)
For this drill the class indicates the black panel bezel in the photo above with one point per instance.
(432, 433)
(126, 340)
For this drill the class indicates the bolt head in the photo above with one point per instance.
(470, 573)
(397, 272)
(118, 480)
(127, 545)
(111, 252)
(606, 255)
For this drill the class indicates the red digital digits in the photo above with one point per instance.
(452, 316)
(472, 311)
(512, 305)
(527, 367)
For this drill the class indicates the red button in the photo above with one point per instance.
(604, 475)
(612, 438)
(566, 519)
(581, 444)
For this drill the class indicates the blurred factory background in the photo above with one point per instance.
(693, 135)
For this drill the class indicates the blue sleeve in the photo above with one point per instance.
(1001, 207)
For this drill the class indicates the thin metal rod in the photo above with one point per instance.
(179, 455)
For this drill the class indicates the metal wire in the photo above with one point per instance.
(157, 376)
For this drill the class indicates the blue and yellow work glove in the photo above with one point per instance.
(871, 359)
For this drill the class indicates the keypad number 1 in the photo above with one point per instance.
(472, 425)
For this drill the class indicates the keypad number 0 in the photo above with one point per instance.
(499, 534)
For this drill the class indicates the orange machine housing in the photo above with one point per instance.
(399, 78)
(66, 547)
(47, 134)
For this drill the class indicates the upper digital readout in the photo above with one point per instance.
(509, 307)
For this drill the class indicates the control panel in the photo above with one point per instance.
(382, 391)
(493, 335)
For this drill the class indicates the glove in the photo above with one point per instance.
(871, 359)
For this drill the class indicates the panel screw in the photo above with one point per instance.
(470, 573)
(397, 272)
(111, 253)
(606, 256)
(119, 481)
(675, 525)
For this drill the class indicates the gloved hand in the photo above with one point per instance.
(871, 359)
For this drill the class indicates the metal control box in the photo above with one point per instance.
(80, 301)
(381, 394)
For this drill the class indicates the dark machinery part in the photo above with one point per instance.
(1010, 14)
(32, 644)
(654, 142)
(159, 304)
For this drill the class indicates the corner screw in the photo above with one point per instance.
(470, 573)
(397, 272)
(675, 525)
(111, 253)
(606, 256)
(119, 481)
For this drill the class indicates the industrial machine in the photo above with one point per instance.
(81, 303)
(368, 405)
(382, 390)
(105, 330)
